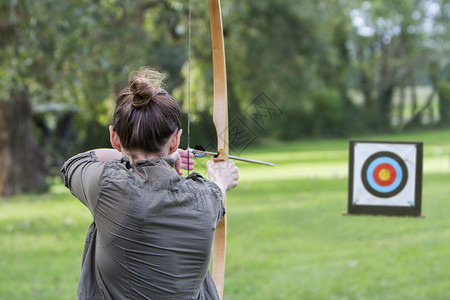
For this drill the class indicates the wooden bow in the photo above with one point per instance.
(220, 117)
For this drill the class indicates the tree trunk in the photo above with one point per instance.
(417, 117)
(444, 109)
(401, 104)
(385, 100)
(22, 162)
(413, 99)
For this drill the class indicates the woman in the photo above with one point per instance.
(152, 232)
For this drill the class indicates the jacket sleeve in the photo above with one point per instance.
(215, 192)
(81, 175)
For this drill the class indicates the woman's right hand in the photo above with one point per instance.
(223, 173)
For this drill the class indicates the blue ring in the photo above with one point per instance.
(376, 186)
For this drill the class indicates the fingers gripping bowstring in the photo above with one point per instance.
(189, 89)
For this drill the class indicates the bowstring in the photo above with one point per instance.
(189, 90)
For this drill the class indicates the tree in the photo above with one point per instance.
(75, 55)
(389, 45)
(295, 53)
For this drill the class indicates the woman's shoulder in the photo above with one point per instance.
(197, 178)
(200, 184)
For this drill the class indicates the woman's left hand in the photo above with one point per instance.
(182, 159)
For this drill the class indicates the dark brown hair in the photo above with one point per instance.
(145, 115)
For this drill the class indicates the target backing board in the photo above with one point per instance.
(385, 178)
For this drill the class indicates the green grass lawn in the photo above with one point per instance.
(287, 237)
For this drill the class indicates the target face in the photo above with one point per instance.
(384, 174)
(385, 177)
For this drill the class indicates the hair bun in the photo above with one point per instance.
(143, 91)
(144, 84)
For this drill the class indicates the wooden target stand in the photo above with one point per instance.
(385, 178)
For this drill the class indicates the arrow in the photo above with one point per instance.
(200, 153)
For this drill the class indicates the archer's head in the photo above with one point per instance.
(146, 120)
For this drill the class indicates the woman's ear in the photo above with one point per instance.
(175, 141)
(114, 139)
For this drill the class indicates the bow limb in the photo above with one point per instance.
(220, 117)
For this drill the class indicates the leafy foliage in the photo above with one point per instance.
(73, 57)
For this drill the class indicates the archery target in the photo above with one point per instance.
(383, 174)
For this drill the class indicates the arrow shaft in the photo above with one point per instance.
(232, 157)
